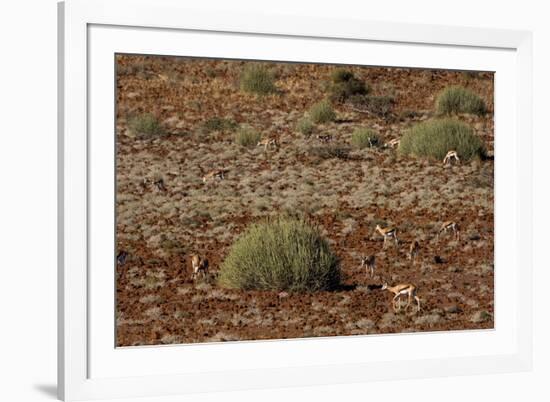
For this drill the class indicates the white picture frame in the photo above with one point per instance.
(89, 365)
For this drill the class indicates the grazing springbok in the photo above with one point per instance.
(450, 226)
(450, 156)
(392, 143)
(200, 266)
(414, 249)
(269, 142)
(368, 262)
(403, 289)
(159, 183)
(214, 174)
(388, 233)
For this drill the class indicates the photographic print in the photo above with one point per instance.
(264, 200)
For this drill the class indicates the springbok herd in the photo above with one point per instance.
(200, 263)
(390, 233)
(269, 142)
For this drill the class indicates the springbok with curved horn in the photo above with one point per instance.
(200, 266)
(269, 142)
(388, 233)
(214, 174)
(403, 289)
(451, 155)
(450, 226)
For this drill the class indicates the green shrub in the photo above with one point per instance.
(247, 136)
(458, 99)
(322, 112)
(305, 126)
(281, 254)
(218, 124)
(434, 138)
(363, 138)
(145, 125)
(257, 79)
(344, 84)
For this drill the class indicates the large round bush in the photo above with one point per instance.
(281, 254)
(457, 99)
(434, 138)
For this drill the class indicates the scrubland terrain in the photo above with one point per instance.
(166, 213)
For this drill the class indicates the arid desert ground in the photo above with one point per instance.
(179, 119)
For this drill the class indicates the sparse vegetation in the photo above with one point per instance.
(247, 137)
(218, 124)
(330, 151)
(321, 172)
(257, 79)
(363, 138)
(457, 99)
(434, 138)
(409, 114)
(305, 126)
(483, 178)
(375, 105)
(322, 112)
(145, 126)
(344, 85)
(281, 254)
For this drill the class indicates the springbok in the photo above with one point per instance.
(450, 156)
(214, 174)
(392, 143)
(388, 233)
(159, 183)
(269, 142)
(200, 266)
(450, 226)
(403, 289)
(369, 263)
(414, 249)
